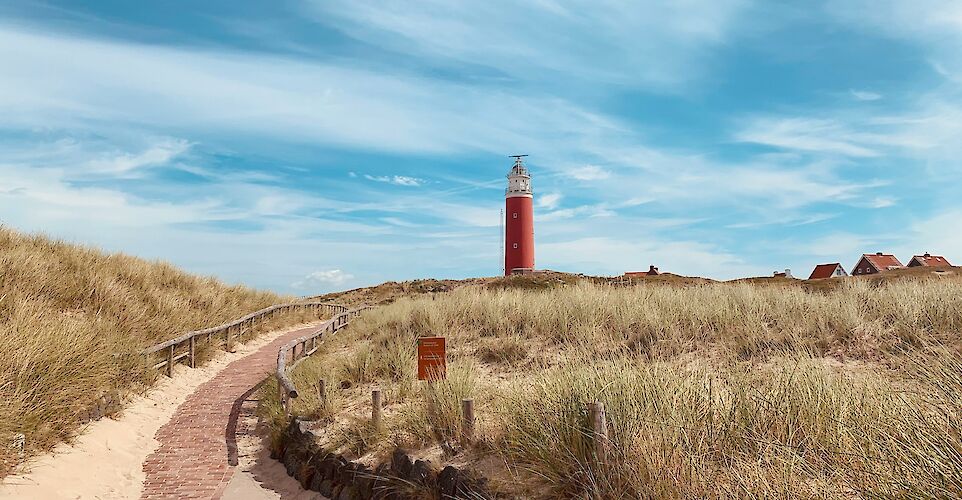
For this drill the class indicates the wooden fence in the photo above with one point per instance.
(308, 345)
(187, 343)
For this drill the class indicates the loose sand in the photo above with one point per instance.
(105, 461)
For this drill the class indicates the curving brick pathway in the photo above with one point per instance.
(198, 451)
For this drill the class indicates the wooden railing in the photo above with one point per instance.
(229, 331)
(308, 345)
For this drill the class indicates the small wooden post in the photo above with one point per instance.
(192, 357)
(599, 431)
(282, 394)
(227, 340)
(467, 422)
(170, 361)
(321, 390)
(376, 408)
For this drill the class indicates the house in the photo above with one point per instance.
(823, 271)
(874, 263)
(652, 271)
(929, 260)
(786, 274)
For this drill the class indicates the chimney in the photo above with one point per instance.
(788, 273)
(878, 253)
(927, 255)
(653, 269)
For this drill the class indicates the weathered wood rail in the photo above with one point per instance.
(187, 343)
(308, 345)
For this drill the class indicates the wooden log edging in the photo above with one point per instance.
(335, 476)
(230, 330)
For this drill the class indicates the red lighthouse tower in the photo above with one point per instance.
(519, 215)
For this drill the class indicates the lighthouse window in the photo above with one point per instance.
(514, 245)
(515, 215)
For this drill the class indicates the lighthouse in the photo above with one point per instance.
(519, 220)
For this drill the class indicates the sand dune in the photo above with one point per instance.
(105, 461)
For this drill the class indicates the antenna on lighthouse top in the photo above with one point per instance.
(518, 164)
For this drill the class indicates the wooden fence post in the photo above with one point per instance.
(599, 431)
(282, 394)
(467, 422)
(227, 340)
(321, 390)
(376, 408)
(192, 357)
(170, 361)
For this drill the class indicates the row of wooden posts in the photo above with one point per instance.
(230, 330)
(596, 411)
(308, 345)
(286, 389)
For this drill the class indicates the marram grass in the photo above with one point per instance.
(73, 321)
(716, 390)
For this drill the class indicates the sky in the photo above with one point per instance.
(310, 146)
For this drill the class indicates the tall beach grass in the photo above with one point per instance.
(711, 390)
(73, 321)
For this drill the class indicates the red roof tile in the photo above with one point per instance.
(882, 261)
(931, 260)
(823, 271)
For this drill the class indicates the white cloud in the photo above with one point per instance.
(589, 173)
(549, 201)
(398, 180)
(809, 134)
(882, 202)
(122, 163)
(840, 245)
(68, 82)
(333, 277)
(865, 95)
(582, 211)
(593, 40)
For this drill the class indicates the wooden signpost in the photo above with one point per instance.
(432, 362)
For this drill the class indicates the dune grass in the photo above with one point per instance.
(73, 321)
(710, 390)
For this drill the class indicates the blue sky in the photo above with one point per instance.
(313, 146)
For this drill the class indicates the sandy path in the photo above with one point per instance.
(105, 462)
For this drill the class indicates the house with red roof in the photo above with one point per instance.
(652, 271)
(823, 271)
(929, 260)
(874, 263)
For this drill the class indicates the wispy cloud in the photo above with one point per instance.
(115, 82)
(864, 95)
(549, 200)
(398, 180)
(323, 279)
(125, 163)
(536, 40)
(809, 134)
(589, 173)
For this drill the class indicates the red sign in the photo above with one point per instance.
(431, 358)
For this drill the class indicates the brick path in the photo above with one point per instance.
(198, 443)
